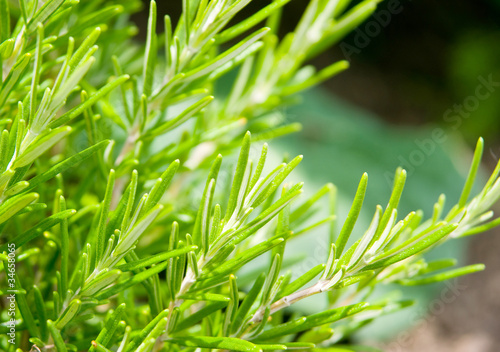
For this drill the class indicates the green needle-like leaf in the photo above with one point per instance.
(251, 21)
(450, 274)
(384, 259)
(12, 206)
(41, 312)
(150, 55)
(225, 57)
(161, 186)
(146, 331)
(56, 336)
(110, 327)
(179, 119)
(69, 314)
(137, 278)
(302, 280)
(238, 176)
(227, 343)
(37, 230)
(4, 21)
(478, 153)
(352, 217)
(306, 323)
(6, 48)
(92, 99)
(41, 145)
(64, 249)
(233, 264)
(320, 77)
(154, 259)
(104, 210)
(200, 314)
(36, 70)
(247, 303)
(48, 8)
(13, 77)
(64, 165)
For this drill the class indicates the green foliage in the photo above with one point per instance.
(130, 231)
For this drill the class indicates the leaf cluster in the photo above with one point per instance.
(132, 234)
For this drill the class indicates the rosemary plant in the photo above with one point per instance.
(122, 229)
